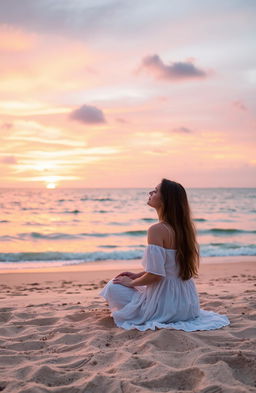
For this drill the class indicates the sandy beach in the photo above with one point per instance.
(57, 335)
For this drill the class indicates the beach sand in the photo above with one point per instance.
(56, 335)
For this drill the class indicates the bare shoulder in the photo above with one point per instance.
(157, 227)
(160, 235)
(156, 234)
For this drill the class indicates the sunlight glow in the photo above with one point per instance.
(51, 182)
(29, 108)
(51, 185)
(44, 166)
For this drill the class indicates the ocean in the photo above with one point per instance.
(56, 227)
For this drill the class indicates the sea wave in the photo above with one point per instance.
(97, 199)
(66, 258)
(51, 256)
(67, 236)
(75, 211)
(227, 249)
(223, 231)
(37, 235)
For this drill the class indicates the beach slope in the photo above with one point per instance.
(56, 335)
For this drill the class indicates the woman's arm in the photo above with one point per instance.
(155, 236)
(130, 275)
(145, 279)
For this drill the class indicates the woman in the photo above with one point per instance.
(163, 295)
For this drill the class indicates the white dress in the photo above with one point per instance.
(169, 303)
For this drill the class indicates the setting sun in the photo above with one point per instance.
(51, 185)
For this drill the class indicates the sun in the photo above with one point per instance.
(51, 185)
(51, 182)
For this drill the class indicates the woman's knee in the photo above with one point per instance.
(112, 289)
(118, 294)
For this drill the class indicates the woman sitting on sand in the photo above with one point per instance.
(163, 295)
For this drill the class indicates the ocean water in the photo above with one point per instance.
(55, 227)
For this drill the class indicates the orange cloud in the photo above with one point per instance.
(15, 40)
(45, 64)
(10, 160)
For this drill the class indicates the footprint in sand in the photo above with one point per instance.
(78, 316)
(26, 346)
(241, 364)
(169, 340)
(187, 379)
(5, 316)
(212, 389)
(50, 377)
(137, 363)
(40, 321)
(3, 385)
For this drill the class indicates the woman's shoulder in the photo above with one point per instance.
(156, 229)
(160, 227)
(156, 234)
(155, 226)
(161, 234)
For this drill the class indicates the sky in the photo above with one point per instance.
(122, 93)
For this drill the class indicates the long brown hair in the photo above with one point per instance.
(176, 212)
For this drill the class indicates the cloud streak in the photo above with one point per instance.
(60, 16)
(174, 71)
(9, 160)
(182, 130)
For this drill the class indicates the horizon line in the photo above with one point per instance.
(117, 188)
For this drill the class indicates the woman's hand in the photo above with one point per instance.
(123, 280)
(128, 274)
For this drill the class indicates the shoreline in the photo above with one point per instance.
(107, 265)
(106, 271)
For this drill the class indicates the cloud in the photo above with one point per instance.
(16, 40)
(121, 120)
(88, 115)
(9, 160)
(6, 126)
(29, 108)
(182, 130)
(239, 105)
(6, 129)
(173, 71)
(157, 151)
(60, 16)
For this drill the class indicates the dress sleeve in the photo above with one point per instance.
(154, 260)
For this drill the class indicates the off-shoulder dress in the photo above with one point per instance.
(170, 303)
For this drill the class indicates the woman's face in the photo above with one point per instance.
(155, 199)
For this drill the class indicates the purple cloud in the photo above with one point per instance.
(6, 126)
(239, 105)
(182, 130)
(9, 160)
(122, 121)
(88, 115)
(173, 71)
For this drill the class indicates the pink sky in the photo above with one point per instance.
(102, 93)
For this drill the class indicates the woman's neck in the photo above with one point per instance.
(160, 215)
